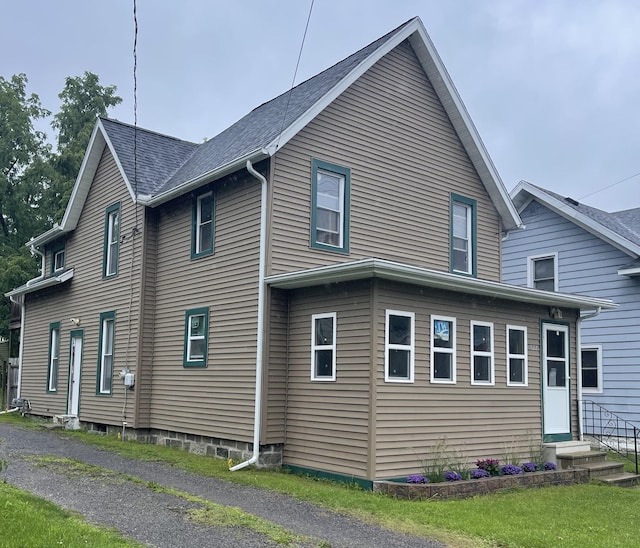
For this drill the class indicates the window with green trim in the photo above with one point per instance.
(105, 358)
(330, 206)
(463, 235)
(57, 256)
(54, 357)
(196, 333)
(202, 225)
(111, 241)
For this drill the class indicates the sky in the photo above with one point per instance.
(552, 86)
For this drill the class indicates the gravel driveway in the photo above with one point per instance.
(108, 497)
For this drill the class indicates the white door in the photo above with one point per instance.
(75, 363)
(556, 382)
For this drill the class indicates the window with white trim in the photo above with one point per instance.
(323, 347)
(111, 240)
(463, 235)
(107, 345)
(399, 346)
(443, 349)
(482, 353)
(330, 206)
(196, 333)
(542, 271)
(54, 357)
(58, 260)
(202, 237)
(591, 357)
(517, 374)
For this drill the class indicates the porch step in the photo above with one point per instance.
(68, 422)
(579, 459)
(601, 470)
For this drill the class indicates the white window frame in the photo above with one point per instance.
(525, 371)
(482, 354)
(200, 225)
(468, 235)
(598, 349)
(394, 346)
(441, 350)
(189, 359)
(531, 268)
(315, 347)
(106, 352)
(59, 253)
(54, 359)
(113, 235)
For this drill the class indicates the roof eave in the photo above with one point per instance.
(634, 271)
(42, 284)
(399, 272)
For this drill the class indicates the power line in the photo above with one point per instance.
(610, 186)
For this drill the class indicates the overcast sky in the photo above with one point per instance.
(553, 86)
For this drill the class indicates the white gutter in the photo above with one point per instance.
(579, 362)
(21, 347)
(34, 251)
(260, 327)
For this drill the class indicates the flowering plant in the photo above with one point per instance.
(417, 478)
(479, 473)
(452, 476)
(550, 466)
(490, 465)
(529, 467)
(511, 470)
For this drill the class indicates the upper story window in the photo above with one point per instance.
(202, 223)
(443, 349)
(196, 334)
(591, 368)
(323, 347)
(399, 346)
(111, 241)
(105, 359)
(463, 235)
(516, 356)
(482, 358)
(54, 355)
(542, 271)
(330, 206)
(57, 257)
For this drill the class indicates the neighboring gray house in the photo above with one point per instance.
(574, 248)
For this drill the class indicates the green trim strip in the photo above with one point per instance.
(365, 484)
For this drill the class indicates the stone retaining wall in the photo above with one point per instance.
(471, 488)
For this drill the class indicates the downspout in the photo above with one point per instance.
(35, 251)
(579, 362)
(260, 327)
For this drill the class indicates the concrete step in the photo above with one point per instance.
(601, 470)
(69, 422)
(625, 479)
(580, 458)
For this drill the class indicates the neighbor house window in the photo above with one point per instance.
(196, 333)
(482, 353)
(323, 347)
(463, 235)
(543, 272)
(106, 345)
(591, 368)
(330, 206)
(443, 349)
(57, 257)
(399, 346)
(516, 356)
(202, 221)
(111, 240)
(54, 355)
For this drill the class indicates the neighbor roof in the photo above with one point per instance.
(167, 167)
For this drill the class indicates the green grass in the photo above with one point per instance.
(571, 516)
(30, 521)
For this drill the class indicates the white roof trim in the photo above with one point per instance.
(446, 91)
(42, 284)
(633, 271)
(524, 192)
(399, 272)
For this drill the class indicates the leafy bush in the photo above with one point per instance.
(479, 473)
(510, 470)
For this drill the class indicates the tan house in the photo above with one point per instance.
(317, 286)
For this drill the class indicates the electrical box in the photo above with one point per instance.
(129, 380)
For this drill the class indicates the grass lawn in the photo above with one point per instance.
(571, 516)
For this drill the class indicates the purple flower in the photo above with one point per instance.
(452, 476)
(529, 467)
(417, 478)
(550, 466)
(479, 473)
(511, 470)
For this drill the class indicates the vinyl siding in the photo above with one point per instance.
(217, 400)
(276, 366)
(588, 265)
(391, 131)
(85, 297)
(328, 421)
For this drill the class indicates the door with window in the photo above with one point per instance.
(75, 363)
(556, 382)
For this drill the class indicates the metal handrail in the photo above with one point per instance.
(610, 430)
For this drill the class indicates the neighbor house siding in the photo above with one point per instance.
(328, 421)
(216, 400)
(85, 297)
(390, 129)
(588, 265)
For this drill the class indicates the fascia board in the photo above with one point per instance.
(629, 271)
(389, 270)
(525, 192)
(42, 284)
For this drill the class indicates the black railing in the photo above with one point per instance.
(611, 431)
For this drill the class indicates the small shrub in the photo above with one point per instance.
(417, 478)
(510, 470)
(452, 476)
(529, 467)
(489, 465)
(479, 473)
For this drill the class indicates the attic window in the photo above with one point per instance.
(330, 206)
